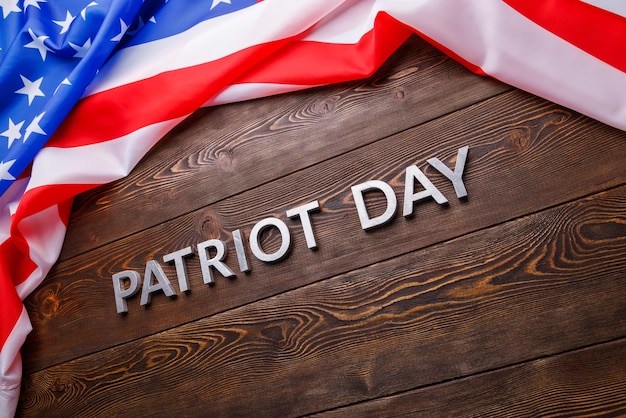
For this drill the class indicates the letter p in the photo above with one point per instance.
(121, 291)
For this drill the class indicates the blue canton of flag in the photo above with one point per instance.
(49, 52)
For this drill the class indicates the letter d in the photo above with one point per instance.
(392, 202)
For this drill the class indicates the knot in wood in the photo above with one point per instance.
(225, 160)
(520, 139)
(49, 305)
(158, 358)
(324, 107)
(559, 116)
(399, 93)
(275, 334)
(601, 232)
(209, 227)
(58, 387)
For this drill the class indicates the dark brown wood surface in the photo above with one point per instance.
(509, 302)
(585, 382)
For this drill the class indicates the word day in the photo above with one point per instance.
(212, 253)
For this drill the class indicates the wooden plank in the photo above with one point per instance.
(524, 152)
(543, 284)
(586, 382)
(223, 151)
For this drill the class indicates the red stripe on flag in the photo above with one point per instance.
(10, 309)
(20, 265)
(317, 63)
(65, 209)
(43, 197)
(12, 273)
(604, 34)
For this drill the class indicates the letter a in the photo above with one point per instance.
(412, 173)
(153, 269)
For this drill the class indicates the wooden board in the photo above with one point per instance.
(529, 269)
(586, 382)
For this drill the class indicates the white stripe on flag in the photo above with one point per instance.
(44, 232)
(248, 91)
(11, 365)
(614, 6)
(9, 201)
(97, 163)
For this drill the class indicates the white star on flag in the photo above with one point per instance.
(9, 6)
(31, 89)
(13, 132)
(38, 44)
(4, 170)
(140, 24)
(33, 3)
(84, 11)
(216, 2)
(65, 24)
(123, 28)
(33, 127)
(65, 82)
(81, 50)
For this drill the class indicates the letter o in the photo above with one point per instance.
(255, 246)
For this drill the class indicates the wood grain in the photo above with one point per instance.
(510, 302)
(524, 154)
(533, 287)
(586, 382)
(222, 151)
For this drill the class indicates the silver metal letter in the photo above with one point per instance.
(163, 283)
(412, 173)
(255, 234)
(181, 271)
(122, 292)
(392, 203)
(303, 213)
(455, 177)
(217, 262)
(241, 252)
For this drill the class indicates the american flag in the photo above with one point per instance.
(49, 54)
(88, 87)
